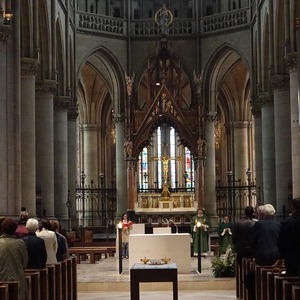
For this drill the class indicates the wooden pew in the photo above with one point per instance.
(278, 285)
(74, 277)
(295, 292)
(35, 284)
(51, 282)
(13, 289)
(4, 291)
(91, 251)
(287, 286)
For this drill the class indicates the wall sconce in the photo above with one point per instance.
(7, 18)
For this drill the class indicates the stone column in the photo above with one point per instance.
(210, 204)
(72, 164)
(121, 179)
(295, 114)
(283, 161)
(90, 151)
(240, 149)
(29, 68)
(256, 110)
(268, 149)
(5, 115)
(44, 146)
(60, 157)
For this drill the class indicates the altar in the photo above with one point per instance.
(176, 246)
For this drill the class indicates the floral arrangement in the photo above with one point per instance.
(224, 265)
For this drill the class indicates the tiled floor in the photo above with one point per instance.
(103, 281)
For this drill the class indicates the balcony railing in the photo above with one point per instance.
(233, 20)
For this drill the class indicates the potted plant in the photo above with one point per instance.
(224, 265)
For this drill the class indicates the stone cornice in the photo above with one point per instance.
(5, 32)
(29, 66)
(72, 113)
(280, 82)
(89, 127)
(61, 103)
(240, 124)
(45, 87)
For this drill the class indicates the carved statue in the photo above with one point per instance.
(201, 146)
(198, 79)
(129, 83)
(128, 148)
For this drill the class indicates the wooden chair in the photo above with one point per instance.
(13, 289)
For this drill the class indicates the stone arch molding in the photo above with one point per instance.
(100, 77)
(224, 61)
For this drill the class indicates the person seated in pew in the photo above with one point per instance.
(13, 256)
(50, 240)
(62, 244)
(289, 240)
(37, 254)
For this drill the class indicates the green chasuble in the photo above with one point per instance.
(204, 233)
(225, 236)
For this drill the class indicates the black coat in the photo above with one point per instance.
(37, 255)
(266, 241)
(289, 243)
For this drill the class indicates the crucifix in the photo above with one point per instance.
(165, 161)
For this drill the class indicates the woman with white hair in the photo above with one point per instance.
(37, 255)
(266, 237)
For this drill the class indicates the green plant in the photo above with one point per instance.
(224, 265)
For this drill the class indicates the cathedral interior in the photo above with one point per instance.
(154, 107)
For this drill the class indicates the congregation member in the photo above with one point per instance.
(225, 229)
(62, 244)
(37, 255)
(200, 222)
(266, 237)
(21, 229)
(242, 237)
(126, 227)
(50, 240)
(13, 256)
(289, 239)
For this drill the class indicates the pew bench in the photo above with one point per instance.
(11, 290)
(93, 252)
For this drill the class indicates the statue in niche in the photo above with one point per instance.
(163, 19)
(129, 83)
(201, 146)
(128, 148)
(198, 79)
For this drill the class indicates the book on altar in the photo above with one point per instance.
(128, 224)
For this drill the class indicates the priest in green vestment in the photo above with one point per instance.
(225, 229)
(200, 229)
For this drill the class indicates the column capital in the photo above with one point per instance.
(210, 116)
(280, 82)
(45, 87)
(29, 66)
(61, 103)
(119, 119)
(72, 113)
(265, 99)
(256, 109)
(292, 60)
(5, 32)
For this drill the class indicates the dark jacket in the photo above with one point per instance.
(266, 241)
(37, 255)
(288, 241)
(242, 238)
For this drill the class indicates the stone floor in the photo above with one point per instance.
(103, 281)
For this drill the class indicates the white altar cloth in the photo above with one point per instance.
(176, 246)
